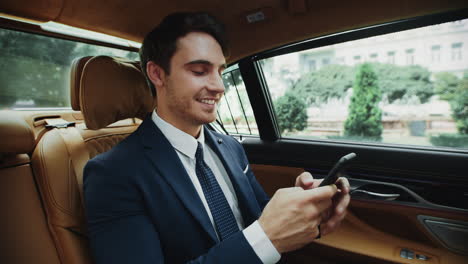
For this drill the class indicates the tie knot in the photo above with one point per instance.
(199, 153)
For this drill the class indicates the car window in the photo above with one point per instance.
(408, 87)
(35, 69)
(235, 114)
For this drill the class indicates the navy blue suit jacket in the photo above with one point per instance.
(142, 207)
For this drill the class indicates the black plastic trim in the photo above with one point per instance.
(259, 99)
(410, 198)
(373, 161)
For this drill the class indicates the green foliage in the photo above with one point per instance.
(32, 68)
(291, 112)
(450, 140)
(331, 81)
(459, 105)
(454, 90)
(404, 82)
(445, 85)
(21, 79)
(395, 82)
(354, 138)
(37, 68)
(365, 117)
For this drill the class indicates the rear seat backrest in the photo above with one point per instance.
(110, 90)
(25, 237)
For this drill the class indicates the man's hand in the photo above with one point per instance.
(331, 219)
(291, 218)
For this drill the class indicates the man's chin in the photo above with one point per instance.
(208, 120)
(203, 120)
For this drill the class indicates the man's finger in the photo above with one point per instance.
(320, 193)
(338, 213)
(343, 184)
(341, 203)
(317, 183)
(323, 206)
(290, 189)
(304, 180)
(329, 226)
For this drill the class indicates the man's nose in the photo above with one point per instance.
(216, 84)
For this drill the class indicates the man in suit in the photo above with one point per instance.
(176, 192)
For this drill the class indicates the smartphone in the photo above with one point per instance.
(333, 175)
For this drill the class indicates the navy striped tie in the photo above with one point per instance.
(223, 217)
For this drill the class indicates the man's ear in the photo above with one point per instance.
(156, 74)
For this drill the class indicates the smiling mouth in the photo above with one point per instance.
(207, 101)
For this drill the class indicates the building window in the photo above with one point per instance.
(340, 60)
(391, 57)
(374, 57)
(325, 61)
(357, 59)
(435, 53)
(311, 65)
(409, 56)
(457, 51)
(308, 63)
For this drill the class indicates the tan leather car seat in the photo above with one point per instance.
(25, 237)
(111, 93)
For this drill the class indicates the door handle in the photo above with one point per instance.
(386, 196)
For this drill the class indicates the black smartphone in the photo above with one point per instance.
(333, 175)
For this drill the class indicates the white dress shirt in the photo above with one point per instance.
(186, 147)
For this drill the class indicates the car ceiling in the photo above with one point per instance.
(286, 21)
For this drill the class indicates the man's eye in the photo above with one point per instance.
(199, 73)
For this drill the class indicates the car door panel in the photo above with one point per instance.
(376, 229)
(379, 230)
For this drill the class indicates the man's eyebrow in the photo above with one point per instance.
(205, 62)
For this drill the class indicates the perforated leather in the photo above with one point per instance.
(101, 144)
(58, 187)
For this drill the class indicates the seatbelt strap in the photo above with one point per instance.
(76, 148)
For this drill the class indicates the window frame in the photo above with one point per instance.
(25, 27)
(261, 100)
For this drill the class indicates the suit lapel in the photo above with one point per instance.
(165, 159)
(247, 203)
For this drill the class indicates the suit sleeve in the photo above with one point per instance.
(120, 231)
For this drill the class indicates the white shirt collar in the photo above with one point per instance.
(181, 141)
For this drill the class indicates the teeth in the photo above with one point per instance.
(211, 102)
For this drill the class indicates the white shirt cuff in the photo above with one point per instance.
(261, 244)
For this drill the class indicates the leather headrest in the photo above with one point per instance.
(75, 81)
(113, 89)
(16, 135)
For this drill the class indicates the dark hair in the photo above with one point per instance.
(161, 43)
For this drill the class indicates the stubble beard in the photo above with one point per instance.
(183, 108)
